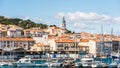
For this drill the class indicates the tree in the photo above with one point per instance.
(21, 23)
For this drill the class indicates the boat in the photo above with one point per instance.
(118, 66)
(3, 64)
(114, 64)
(88, 61)
(53, 63)
(69, 64)
(23, 62)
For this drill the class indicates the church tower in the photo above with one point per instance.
(63, 23)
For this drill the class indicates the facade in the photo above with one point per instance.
(41, 37)
(64, 45)
(14, 31)
(100, 48)
(107, 47)
(13, 43)
(39, 47)
(89, 45)
(54, 30)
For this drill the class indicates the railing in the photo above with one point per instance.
(72, 49)
(68, 49)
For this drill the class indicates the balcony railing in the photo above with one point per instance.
(67, 49)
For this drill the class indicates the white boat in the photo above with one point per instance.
(114, 64)
(3, 64)
(23, 62)
(87, 60)
(52, 63)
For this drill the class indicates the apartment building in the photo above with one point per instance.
(14, 31)
(8, 43)
(39, 47)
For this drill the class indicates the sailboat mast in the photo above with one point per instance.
(111, 39)
(102, 43)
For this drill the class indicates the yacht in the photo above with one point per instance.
(88, 61)
(24, 62)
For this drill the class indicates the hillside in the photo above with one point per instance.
(22, 23)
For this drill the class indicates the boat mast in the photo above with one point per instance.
(111, 40)
(101, 43)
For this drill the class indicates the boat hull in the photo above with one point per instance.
(25, 64)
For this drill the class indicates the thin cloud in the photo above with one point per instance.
(83, 20)
(82, 26)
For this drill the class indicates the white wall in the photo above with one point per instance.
(52, 44)
(43, 39)
(92, 47)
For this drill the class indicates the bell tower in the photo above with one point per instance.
(63, 23)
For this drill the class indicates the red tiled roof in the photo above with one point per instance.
(84, 40)
(16, 39)
(65, 40)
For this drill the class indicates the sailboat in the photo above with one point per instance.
(115, 62)
(97, 63)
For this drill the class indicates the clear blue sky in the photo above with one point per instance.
(81, 15)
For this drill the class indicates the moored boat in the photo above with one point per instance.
(24, 62)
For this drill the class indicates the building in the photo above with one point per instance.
(100, 48)
(14, 31)
(39, 47)
(107, 47)
(89, 46)
(41, 37)
(8, 43)
(64, 44)
(54, 30)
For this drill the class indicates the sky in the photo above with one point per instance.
(80, 15)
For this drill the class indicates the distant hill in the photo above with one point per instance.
(21, 23)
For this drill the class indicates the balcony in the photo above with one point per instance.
(67, 49)
(71, 49)
(60, 49)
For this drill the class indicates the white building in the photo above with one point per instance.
(91, 44)
(14, 31)
(41, 37)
